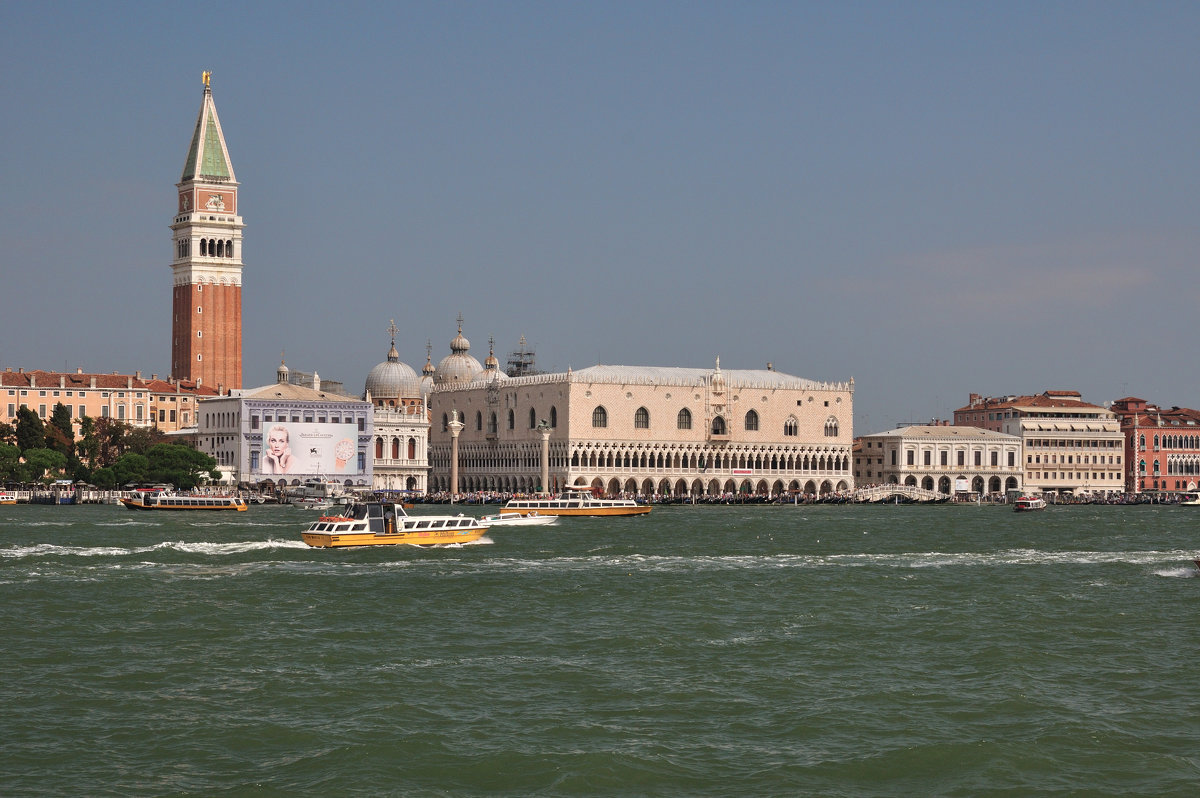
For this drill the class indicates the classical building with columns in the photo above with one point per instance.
(401, 445)
(640, 430)
(948, 459)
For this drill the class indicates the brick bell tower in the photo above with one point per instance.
(206, 320)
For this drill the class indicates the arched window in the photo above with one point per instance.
(532, 419)
(412, 448)
(685, 419)
(492, 423)
(512, 419)
(445, 423)
(641, 419)
(718, 426)
(791, 427)
(379, 448)
(229, 249)
(831, 427)
(751, 421)
(395, 448)
(479, 421)
(553, 416)
(599, 417)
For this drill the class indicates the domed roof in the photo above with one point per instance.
(458, 366)
(393, 379)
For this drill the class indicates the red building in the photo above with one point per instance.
(1162, 446)
(206, 321)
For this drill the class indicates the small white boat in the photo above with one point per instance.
(519, 519)
(1189, 500)
(1026, 504)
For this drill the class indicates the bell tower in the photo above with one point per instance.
(206, 318)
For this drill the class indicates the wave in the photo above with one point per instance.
(239, 547)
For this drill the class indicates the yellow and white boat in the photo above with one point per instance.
(386, 524)
(7, 498)
(575, 501)
(183, 501)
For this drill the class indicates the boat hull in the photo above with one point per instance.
(333, 540)
(640, 509)
(134, 504)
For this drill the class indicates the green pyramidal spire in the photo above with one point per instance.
(207, 156)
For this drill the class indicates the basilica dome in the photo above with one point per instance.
(458, 366)
(393, 379)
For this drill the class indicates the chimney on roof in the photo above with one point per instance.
(154, 376)
(137, 375)
(62, 380)
(129, 382)
(198, 382)
(93, 382)
(79, 369)
(20, 369)
(770, 366)
(32, 380)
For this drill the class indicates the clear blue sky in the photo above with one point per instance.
(932, 198)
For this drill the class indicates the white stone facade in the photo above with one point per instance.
(401, 448)
(948, 459)
(645, 430)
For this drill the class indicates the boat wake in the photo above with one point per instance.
(213, 549)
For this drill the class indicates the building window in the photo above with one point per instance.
(599, 417)
(791, 428)
(910, 460)
(718, 426)
(532, 419)
(752, 421)
(831, 426)
(641, 419)
(478, 421)
(685, 419)
(928, 458)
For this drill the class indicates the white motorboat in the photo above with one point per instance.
(519, 519)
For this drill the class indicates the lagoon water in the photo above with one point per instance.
(699, 651)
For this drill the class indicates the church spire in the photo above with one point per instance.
(207, 156)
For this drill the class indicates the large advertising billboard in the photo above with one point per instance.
(329, 449)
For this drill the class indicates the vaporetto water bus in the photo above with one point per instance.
(575, 501)
(386, 524)
(182, 501)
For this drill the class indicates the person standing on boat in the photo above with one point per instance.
(279, 458)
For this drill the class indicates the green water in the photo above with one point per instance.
(699, 651)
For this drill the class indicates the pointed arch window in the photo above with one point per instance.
(553, 416)
(751, 421)
(791, 427)
(599, 417)
(718, 426)
(492, 423)
(831, 427)
(641, 419)
(512, 419)
(479, 421)
(684, 421)
(532, 419)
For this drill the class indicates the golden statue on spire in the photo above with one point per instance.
(205, 76)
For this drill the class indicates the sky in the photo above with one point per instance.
(934, 199)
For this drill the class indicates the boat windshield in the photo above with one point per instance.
(358, 512)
